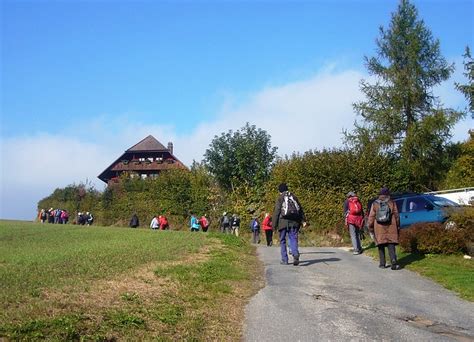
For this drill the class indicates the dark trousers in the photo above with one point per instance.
(269, 236)
(391, 253)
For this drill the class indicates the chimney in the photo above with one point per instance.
(170, 147)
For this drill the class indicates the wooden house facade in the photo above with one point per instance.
(145, 159)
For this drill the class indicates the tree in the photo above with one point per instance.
(401, 115)
(244, 157)
(461, 174)
(468, 89)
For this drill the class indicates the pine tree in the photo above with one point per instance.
(400, 114)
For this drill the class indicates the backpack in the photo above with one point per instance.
(383, 213)
(235, 222)
(355, 207)
(290, 209)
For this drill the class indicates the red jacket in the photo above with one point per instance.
(267, 223)
(355, 219)
(163, 221)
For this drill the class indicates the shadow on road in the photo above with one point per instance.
(410, 258)
(317, 253)
(316, 261)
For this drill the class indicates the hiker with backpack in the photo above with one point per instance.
(155, 223)
(255, 229)
(384, 223)
(204, 223)
(224, 223)
(267, 228)
(235, 224)
(163, 222)
(354, 219)
(134, 222)
(194, 223)
(288, 217)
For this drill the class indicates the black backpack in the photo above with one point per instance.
(290, 209)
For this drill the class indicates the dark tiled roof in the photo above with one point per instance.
(147, 144)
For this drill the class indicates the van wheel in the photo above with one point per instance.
(450, 224)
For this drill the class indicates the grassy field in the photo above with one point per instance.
(452, 271)
(63, 282)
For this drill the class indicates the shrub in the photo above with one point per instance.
(433, 238)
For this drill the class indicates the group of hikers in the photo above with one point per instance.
(382, 221)
(61, 216)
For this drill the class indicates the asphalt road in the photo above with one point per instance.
(336, 296)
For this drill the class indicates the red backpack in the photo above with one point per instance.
(355, 207)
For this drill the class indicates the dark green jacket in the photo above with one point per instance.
(278, 222)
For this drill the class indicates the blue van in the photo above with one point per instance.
(416, 208)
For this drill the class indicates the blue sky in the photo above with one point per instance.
(82, 81)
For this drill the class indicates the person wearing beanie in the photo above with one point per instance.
(384, 223)
(288, 217)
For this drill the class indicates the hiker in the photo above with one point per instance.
(57, 216)
(267, 228)
(255, 229)
(354, 220)
(287, 218)
(81, 220)
(64, 216)
(134, 222)
(51, 215)
(204, 222)
(194, 223)
(89, 219)
(235, 225)
(384, 223)
(43, 216)
(154, 224)
(224, 223)
(163, 221)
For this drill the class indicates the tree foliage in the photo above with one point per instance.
(468, 88)
(461, 174)
(401, 116)
(244, 157)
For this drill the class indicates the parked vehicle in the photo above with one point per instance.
(417, 208)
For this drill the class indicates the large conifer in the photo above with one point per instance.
(401, 115)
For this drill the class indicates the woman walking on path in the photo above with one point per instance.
(267, 228)
(354, 220)
(384, 222)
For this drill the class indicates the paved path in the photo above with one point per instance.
(335, 296)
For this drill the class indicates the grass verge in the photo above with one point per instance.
(105, 284)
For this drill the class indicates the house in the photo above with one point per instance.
(145, 159)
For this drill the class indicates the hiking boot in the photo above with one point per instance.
(296, 260)
(282, 262)
(382, 266)
(395, 267)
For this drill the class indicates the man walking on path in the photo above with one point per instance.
(287, 218)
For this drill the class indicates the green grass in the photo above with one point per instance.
(63, 282)
(451, 271)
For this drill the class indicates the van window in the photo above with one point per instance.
(416, 204)
(399, 203)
